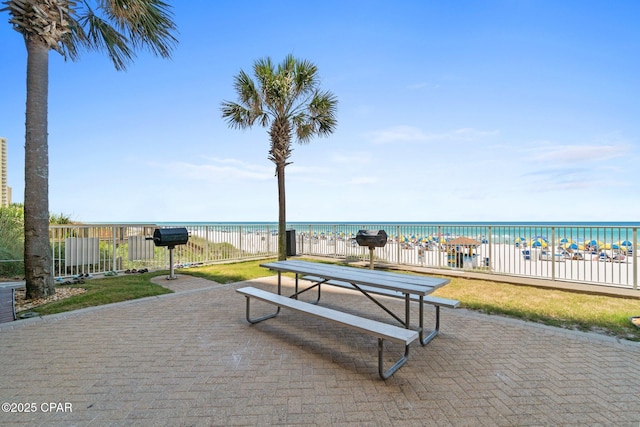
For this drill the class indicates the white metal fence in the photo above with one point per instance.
(603, 255)
(99, 248)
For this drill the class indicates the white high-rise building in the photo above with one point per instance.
(5, 190)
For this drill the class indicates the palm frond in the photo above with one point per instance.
(247, 91)
(102, 36)
(237, 116)
(74, 40)
(306, 77)
(263, 71)
(147, 23)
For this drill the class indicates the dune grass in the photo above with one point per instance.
(571, 310)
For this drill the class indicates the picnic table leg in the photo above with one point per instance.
(279, 283)
(407, 310)
(386, 374)
(259, 319)
(297, 292)
(425, 340)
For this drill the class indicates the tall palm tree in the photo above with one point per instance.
(119, 27)
(288, 101)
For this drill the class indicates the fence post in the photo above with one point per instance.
(490, 242)
(398, 245)
(114, 260)
(439, 235)
(635, 259)
(553, 253)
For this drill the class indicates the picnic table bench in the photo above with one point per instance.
(437, 302)
(382, 331)
(409, 287)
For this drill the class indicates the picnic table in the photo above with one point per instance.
(373, 284)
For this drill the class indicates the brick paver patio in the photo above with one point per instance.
(190, 359)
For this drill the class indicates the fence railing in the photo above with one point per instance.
(90, 249)
(602, 255)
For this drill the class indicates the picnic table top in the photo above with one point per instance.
(405, 283)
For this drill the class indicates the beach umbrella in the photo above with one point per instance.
(573, 246)
(518, 240)
(539, 243)
(625, 243)
(566, 240)
(596, 243)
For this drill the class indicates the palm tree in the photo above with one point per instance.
(288, 101)
(119, 27)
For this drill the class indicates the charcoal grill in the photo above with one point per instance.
(372, 239)
(170, 237)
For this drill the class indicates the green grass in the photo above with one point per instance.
(570, 310)
(585, 312)
(230, 272)
(106, 291)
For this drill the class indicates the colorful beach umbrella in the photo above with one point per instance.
(539, 243)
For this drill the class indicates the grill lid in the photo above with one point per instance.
(372, 238)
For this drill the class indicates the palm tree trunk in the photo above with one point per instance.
(282, 214)
(37, 250)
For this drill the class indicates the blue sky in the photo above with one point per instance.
(485, 110)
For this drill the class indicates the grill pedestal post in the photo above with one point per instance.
(371, 248)
(172, 275)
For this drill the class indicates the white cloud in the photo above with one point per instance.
(218, 170)
(580, 153)
(415, 134)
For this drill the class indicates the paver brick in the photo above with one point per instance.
(190, 358)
